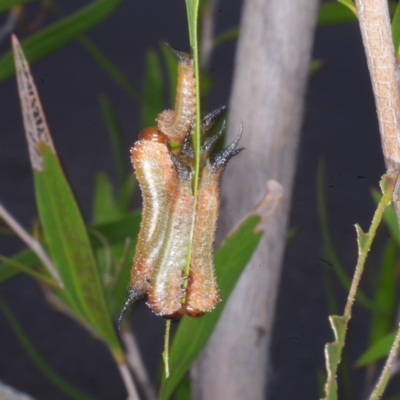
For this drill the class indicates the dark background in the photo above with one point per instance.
(340, 126)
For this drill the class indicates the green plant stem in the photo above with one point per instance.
(165, 353)
(364, 249)
(385, 375)
(32, 243)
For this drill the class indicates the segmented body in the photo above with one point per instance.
(158, 181)
(202, 292)
(165, 292)
(175, 123)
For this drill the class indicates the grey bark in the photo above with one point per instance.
(272, 65)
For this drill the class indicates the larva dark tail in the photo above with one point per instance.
(183, 58)
(185, 173)
(187, 148)
(210, 142)
(132, 297)
(209, 120)
(218, 161)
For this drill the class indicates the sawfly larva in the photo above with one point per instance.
(175, 123)
(202, 290)
(158, 182)
(165, 292)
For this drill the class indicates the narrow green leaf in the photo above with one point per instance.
(114, 232)
(192, 10)
(385, 293)
(333, 353)
(193, 334)
(172, 70)
(63, 225)
(153, 90)
(7, 4)
(227, 36)
(69, 246)
(334, 13)
(105, 208)
(396, 31)
(59, 34)
(23, 268)
(118, 76)
(350, 4)
(377, 351)
(389, 216)
(114, 130)
(40, 362)
(127, 192)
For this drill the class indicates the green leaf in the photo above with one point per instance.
(70, 248)
(396, 31)
(333, 13)
(227, 36)
(127, 192)
(389, 216)
(153, 90)
(193, 334)
(385, 293)
(40, 362)
(59, 34)
(118, 76)
(350, 5)
(105, 208)
(114, 130)
(333, 353)
(23, 268)
(64, 229)
(114, 232)
(377, 351)
(172, 71)
(7, 4)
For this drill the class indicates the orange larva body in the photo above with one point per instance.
(202, 293)
(158, 181)
(202, 290)
(165, 292)
(175, 123)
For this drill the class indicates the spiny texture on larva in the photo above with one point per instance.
(158, 181)
(175, 123)
(165, 293)
(202, 292)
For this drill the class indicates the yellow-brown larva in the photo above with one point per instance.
(158, 181)
(165, 292)
(175, 123)
(202, 290)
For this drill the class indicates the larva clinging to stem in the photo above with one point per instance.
(158, 181)
(175, 123)
(165, 292)
(202, 291)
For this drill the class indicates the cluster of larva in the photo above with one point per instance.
(165, 178)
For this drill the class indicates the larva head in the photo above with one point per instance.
(218, 161)
(153, 134)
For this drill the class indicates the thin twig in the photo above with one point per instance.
(128, 382)
(32, 243)
(135, 362)
(385, 375)
(378, 43)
